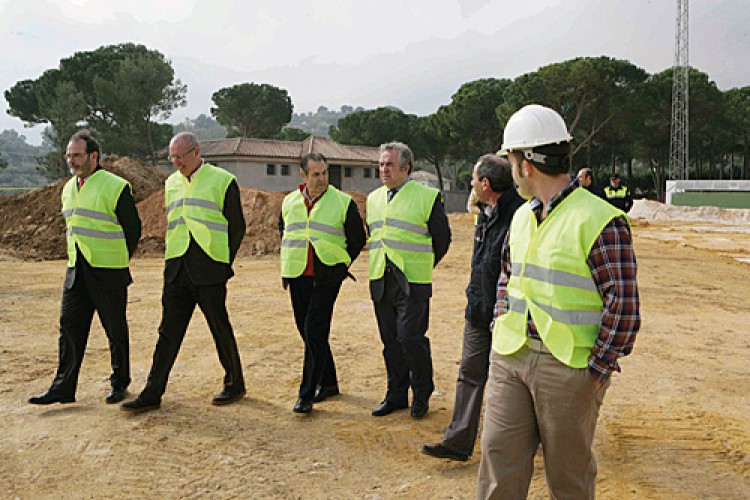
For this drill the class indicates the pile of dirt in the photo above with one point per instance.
(654, 211)
(31, 225)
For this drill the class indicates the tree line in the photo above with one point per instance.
(618, 113)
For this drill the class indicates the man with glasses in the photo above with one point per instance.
(409, 234)
(205, 227)
(103, 229)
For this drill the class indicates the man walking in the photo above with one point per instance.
(205, 227)
(568, 310)
(103, 229)
(409, 234)
(493, 187)
(322, 234)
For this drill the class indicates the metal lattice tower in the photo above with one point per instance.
(678, 144)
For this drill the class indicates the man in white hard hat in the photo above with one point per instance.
(568, 309)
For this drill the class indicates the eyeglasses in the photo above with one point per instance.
(180, 157)
(75, 156)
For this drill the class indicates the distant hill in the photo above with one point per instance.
(19, 161)
(319, 122)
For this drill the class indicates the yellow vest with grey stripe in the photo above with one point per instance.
(620, 192)
(91, 221)
(399, 231)
(551, 280)
(195, 208)
(323, 227)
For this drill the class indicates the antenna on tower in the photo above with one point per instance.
(678, 144)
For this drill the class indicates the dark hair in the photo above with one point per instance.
(311, 156)
(92, 145)
(587, 173)
(496, 170)
(405, 154)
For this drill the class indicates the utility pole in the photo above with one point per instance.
(678, 144)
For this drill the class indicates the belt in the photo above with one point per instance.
(536, 345)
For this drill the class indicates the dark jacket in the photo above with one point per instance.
(201, 268)
(489, 236)
(354, 231)
(97, 277)
(625, 203)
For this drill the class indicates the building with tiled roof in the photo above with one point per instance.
(274, 165)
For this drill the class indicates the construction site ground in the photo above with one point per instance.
(675, 423)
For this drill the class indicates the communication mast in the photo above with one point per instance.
(678, 144)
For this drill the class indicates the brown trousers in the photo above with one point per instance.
(533, 398)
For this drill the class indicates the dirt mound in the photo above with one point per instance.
(655, 211)
(31, 226)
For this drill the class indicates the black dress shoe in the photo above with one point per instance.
(440, 451)
(419, 408)
(139, 405)
(50, 397)
(324, 392)
(116, 395)
(386, 408)
(228, 396)
(302, 406)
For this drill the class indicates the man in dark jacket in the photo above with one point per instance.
(586, 180)
(103, 229)
(618, 195)
(205, 227)
(322, 234)
(493, 184)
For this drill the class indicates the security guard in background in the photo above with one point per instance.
(103, 229)
(618, 195)
(409, 234)
(322, 234)
(205, 227)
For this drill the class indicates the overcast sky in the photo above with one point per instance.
(413, 54)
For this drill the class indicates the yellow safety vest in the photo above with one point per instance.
(620, 192)
(399, 230)
(551, 280)
(91, 221)
(194, 208)
(323, 227)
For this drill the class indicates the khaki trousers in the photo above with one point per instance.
(533, 398)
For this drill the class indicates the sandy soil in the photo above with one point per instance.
(675, 423)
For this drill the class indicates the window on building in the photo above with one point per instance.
(347, 171)
(377, 172)
(285, 170)
(366, 172)
(270, 169)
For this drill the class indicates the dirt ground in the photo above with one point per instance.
(675, 423)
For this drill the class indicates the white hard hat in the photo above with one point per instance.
(531, 126)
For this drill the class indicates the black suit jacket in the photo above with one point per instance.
(202, 269)
(440, 230)
(97, 277)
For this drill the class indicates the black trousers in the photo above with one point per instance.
(178, 301)
(76, 313)
(313, 309)
(403, 322)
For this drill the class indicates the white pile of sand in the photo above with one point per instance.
(655, 211)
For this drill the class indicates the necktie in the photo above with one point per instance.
(80, 183)
(392, 193)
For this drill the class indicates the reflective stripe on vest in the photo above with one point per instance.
(91, 223)
(551, 281)
(195, 208)
(620, 192)
(399, 231)
(323, 227)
